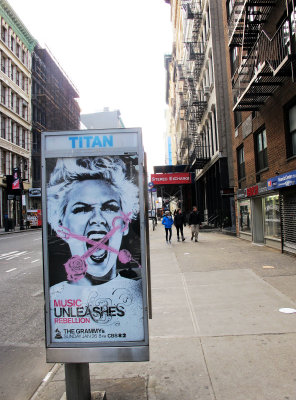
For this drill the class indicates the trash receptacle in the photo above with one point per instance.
(10, 224)
(6, 224)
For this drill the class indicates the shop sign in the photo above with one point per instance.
(262, 187)
(227, 192)
(16, 179)
(252, 191)
(281, 181)
(35, 192)
(241, 193)
(171, 179)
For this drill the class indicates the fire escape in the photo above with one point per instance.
(193, 103)
(265, 61)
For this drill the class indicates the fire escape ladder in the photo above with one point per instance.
(198, 154)
(267, 60)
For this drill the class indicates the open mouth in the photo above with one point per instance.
(100, 254)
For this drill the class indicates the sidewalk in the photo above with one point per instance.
(216, 332)
(15, 230)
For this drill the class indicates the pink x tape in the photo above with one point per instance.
(76, 266)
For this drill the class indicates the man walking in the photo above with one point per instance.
(194, 223)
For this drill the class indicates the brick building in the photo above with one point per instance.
(261, 42)
(198, 99)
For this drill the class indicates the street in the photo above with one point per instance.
(216, 333)
(22, 353)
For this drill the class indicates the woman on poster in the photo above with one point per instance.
(91, 202)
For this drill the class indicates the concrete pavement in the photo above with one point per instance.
(216, 332)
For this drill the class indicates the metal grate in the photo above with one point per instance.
(288, 217)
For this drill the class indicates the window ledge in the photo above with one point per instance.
(262, 170)
(272, 238)
(291, 158)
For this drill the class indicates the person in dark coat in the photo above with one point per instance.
(194, 223)
(179, 221)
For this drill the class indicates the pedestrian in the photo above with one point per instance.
(168, 221)
(179, 221)
(194, 223)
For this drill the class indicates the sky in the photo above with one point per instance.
(113, 52)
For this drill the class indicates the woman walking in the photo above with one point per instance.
(179, 221)
(168, 221)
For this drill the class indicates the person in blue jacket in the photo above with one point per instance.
(168, 221)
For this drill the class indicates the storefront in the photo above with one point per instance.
(259, 215)
(285, 186)
(266, 212)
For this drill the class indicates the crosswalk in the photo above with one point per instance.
(12, 254)
(17, 254)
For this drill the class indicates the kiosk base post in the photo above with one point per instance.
(77, 381)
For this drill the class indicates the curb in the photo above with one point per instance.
(45, 381)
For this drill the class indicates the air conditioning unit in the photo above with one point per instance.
(206, 90)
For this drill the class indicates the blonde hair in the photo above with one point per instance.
(69, 171)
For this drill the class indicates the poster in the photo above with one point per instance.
(34, 217)
(94, 251)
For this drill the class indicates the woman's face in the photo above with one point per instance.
(92, 206)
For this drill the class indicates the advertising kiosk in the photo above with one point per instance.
(94, 246)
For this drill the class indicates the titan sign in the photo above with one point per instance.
(171, 179)
(94, 246)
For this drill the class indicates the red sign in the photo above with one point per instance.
(16, 184)
(171, 179)
(252, 191)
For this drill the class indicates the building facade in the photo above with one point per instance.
(16, 47)
(54, 108)
(262, 76)
(199, 105)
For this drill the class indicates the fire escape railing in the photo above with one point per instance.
(198, 156)
(192, 102)
(246, 19)
(267, 57)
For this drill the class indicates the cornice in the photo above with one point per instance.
(6, 145)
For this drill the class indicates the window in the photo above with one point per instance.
(24, 111)
(17, 136)
(3, 162)
(272, 218)
(12, 72)
(245, 216)
(3, 94)
(12, 101)
(24, 139)
(3, 33)
(291, 134)
(23, 56)
(17, 105)
(234, 59)
(17, 77)
(3, 128)
(12, 43)
(241, 163)
(3, 64)
(261, 150)
(18, 50)
(229, 5)
(237, 118)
